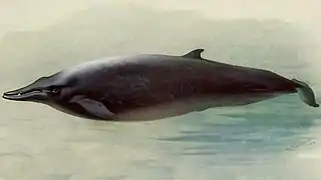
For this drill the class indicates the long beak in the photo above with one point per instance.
(28, 93)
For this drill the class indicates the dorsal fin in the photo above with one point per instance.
(195, 54)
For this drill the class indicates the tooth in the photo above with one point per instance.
(19, 94)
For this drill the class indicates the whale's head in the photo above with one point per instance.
(47, 90)
(72, 91)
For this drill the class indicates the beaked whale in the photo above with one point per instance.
(152, 86)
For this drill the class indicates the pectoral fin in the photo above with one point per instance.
(94, 107)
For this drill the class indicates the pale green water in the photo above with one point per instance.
(277, 139)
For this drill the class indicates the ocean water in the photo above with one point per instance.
(278, 139)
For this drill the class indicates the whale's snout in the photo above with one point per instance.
(39, 91)
(12, 95)
(24, 94)
(8, 94)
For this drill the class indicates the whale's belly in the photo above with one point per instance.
(181, 107)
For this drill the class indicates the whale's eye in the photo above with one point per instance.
(55, 91)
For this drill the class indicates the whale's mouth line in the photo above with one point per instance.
(22, 95)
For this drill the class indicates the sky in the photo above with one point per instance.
(33, 15)
(36, 14)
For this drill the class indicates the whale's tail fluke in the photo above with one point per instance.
(306, 93)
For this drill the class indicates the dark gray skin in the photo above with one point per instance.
(150, 87)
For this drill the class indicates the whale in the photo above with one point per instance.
(146, 87)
